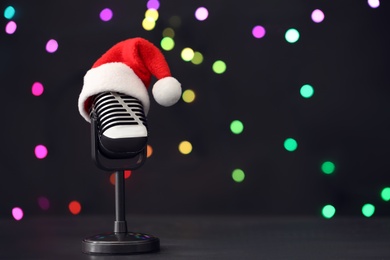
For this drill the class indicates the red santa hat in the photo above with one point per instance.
(127, 68)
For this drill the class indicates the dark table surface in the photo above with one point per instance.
(204, 237)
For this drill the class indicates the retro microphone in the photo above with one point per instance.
(122, 125)
(115, 100)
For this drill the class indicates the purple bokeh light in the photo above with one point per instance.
(17, 213)
(40, 151)
(37, 89)
(317, 16)
(10, 28)
(153, 4)
(373, 3)
(106, 14)
(201, 13)
(51, 46)
(44, 203)
(258, 31)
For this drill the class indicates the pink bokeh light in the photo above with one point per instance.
(373, 3)
(201, 13)
(317, 16)
(51, 46)
(17, 213)
(44, 203)
(37, 89)
(258, 31)
(106, 14)
(40, 151)
(10, 28)
(153, 4)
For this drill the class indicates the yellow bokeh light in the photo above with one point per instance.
(198, 58)
(187, 54)
(152, 13)
(185, 147)
(188, 96)
(168, 32)
(149, 151)
(148, 23)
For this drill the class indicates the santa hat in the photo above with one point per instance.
(127, 68)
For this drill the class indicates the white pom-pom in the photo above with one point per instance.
(167, 91)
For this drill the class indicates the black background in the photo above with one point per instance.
(345, 58)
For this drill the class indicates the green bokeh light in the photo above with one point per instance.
(290, 144)
(168, 32)
(219, 67)
(307, 91)
(9, 12)
(328, 167)
(328, 211)
(167, 43)
(198, 58)
(292, 35)
(238, 175)
(236, 127)
(368, 210)
(385, 194)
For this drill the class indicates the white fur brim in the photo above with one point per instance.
(167, 91)
(116, 77)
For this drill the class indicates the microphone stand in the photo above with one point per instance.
(120, 241)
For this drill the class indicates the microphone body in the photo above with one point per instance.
(122, 125)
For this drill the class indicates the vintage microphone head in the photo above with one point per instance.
(122, 125)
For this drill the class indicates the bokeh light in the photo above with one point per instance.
(9, 12)
(290, 144)
(238, 175)
(11, 27)
(317, 16)
(328, 167)
(148, 23)
(127, 174)
(167, 43)
(187, 54)
(112, 178)
(198, 58)
(40, 151)
(292, 35)
(385, 194)
(37, 89)
(328, 211)
(258, 31)
(153, 4)
(168, 32)
(219, 67)
(201, 13)
(149, 151)
(307, 91)
(236, 126)
(17, 213)
(368, 210)
(175, 21)
(74, 207)
(185, 147)
(106, 14)
(152, 13)
(44, 203)
(188, 96)
(51, 46)
(373, 3)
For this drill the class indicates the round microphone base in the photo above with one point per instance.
(120, 243)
